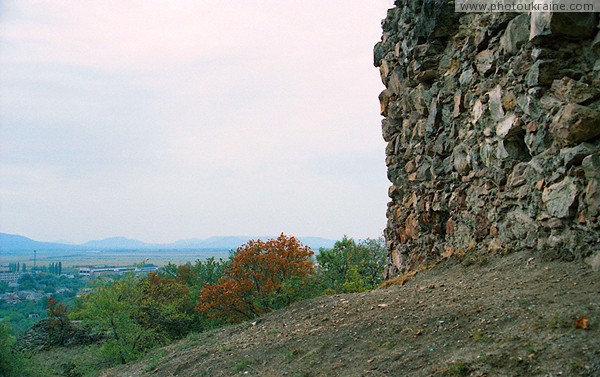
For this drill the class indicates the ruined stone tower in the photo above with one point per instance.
(492, 122)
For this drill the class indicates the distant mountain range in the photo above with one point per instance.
(12, 242)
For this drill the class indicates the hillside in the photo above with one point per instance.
(475, 316)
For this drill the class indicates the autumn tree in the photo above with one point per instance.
(256, 281)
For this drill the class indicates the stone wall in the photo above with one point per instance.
(52, 332)
(492, 122)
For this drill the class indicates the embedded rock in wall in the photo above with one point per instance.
(493, 128)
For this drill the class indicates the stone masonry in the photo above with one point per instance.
(492, 122)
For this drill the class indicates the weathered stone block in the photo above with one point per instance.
(458, 106)
(495, 103)
(484, 62)
(576, 124)
(395, 83)
(389, 128)
(466, 77)
(462, 159)
(395, 192)
(516, 34)
(592, 197)
(517, 226)
(573, 25)
(477, 111)
(560, 198)
(575, 155)
(571, 91)
(542, 73)
(591, 166)
(517, 177)
(508, 126)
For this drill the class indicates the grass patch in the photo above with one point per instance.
(476, 259)
(293, 354)
(479, 335)
(523, 303)
(458, 368)
(81, 361)
(401, 279)
(207, 338)
(156, 359)
(241, 365)
(398, 280)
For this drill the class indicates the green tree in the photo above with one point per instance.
(111, 309)
(27, 282)
(198, 274)
(211, 270)
(164, 306)
(195, 277)
(3, 287)
(352, 267)
(138, 313)
(170, 270)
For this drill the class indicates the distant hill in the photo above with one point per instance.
(115, 243)
(15, 242)
(11, 242)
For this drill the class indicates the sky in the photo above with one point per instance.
(168, 120)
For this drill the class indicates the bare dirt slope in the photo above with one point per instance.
(508, 316)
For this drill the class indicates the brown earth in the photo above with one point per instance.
(477, 316)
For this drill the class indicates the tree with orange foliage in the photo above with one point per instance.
(257, 276)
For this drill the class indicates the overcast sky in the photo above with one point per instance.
(166, 120)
